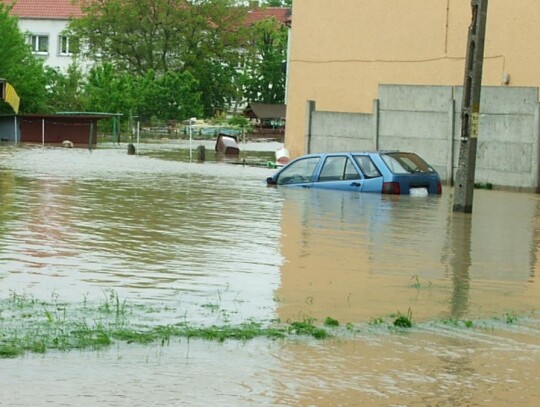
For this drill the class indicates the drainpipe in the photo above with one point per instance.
(310, 108)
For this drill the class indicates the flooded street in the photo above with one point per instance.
(212, 244)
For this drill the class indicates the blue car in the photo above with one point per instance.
(386, 172)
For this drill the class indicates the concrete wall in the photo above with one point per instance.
(427, 120)
(341, 51)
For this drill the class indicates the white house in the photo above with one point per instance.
(44, 22)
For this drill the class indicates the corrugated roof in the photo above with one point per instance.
(49, 9)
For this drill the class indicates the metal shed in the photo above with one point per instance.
(81, 128)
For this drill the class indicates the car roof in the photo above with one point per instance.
(374, 152)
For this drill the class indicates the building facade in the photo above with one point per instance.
(44, 24)
(340, 53)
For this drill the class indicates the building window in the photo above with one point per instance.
(66, 45)
(39, 43)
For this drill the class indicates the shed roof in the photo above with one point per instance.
(46, 9)
(265, 110)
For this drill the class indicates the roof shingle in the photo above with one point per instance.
(50, 9)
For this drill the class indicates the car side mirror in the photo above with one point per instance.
(270, 181)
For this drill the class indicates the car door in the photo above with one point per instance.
(339, 172)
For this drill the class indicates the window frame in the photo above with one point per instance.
(343, 163)
(67, 38)
(36, 45)
(373, 171)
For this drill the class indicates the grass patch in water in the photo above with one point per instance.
(403, 321)
(417, 284)
(30, 325)
(329, 321)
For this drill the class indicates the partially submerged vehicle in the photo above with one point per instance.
(386, 172)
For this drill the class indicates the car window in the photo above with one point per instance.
(299, 171)
(367, 166)
(335, 169)
(350, 171)
(405, 163)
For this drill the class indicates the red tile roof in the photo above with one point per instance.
(65, 9)
(281, 14)
(49, 9)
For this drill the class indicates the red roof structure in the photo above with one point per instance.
(281, 14)
(44, 9)
(65, 9)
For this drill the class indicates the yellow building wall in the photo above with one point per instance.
(341, 50)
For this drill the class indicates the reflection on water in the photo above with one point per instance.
(157, 229)
(76, 222)
(356, 257)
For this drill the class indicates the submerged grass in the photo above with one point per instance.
(35, 326)
(30, 325)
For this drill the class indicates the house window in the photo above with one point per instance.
(39, 43)
(65, 45)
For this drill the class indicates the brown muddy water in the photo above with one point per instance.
(212, 244)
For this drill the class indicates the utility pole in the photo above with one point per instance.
(470, 108)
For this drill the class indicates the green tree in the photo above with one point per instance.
(278, 3)
(171, 96)
(19, 67)
(66, 90)
(265, 75)
(109, 91)
(202, 37)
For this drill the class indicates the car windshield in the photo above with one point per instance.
(298, 172)
(405, 163)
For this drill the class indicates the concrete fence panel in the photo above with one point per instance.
(427, 120)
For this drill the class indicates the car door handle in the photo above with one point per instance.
(356, 184)
(306, 186)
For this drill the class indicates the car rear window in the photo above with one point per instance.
(405, 163)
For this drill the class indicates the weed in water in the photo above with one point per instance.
(10, 351)
(468, 323)
(331, 322)
(404, 321)
(376, 321)
(307, 327)
(416, 282)
(510, 318)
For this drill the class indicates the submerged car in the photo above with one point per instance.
(386, 172)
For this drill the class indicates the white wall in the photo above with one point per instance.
(52, 28)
